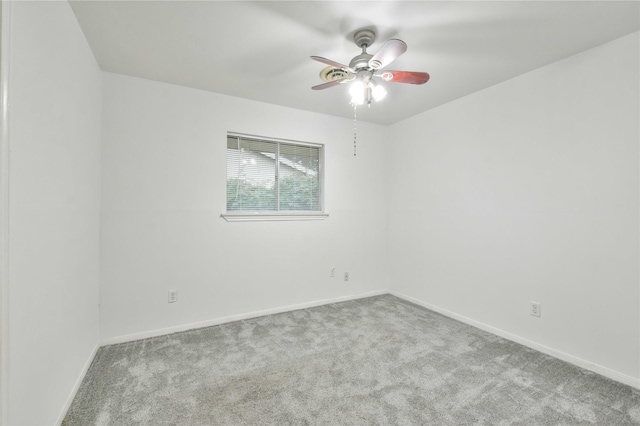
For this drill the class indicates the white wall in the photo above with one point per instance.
(528, 190)
(54, 140)
(164, 183)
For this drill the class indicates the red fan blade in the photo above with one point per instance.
(329, 62)
(326, 85)
(410, 77)
(388, 53)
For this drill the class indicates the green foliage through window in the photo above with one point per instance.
(269, 176)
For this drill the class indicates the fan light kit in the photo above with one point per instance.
(364, 67)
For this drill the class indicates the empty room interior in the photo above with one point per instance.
(320, 212)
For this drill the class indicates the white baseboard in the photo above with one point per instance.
(231, 318)
(604, 371)
(76, 386)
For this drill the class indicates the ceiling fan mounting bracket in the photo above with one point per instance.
(364, 38)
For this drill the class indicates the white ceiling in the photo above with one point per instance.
(260, 49)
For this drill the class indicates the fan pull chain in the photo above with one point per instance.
(354, 129)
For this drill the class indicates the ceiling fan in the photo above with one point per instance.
(364, 67)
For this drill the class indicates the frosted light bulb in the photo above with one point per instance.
(379, 93)
(357, 92)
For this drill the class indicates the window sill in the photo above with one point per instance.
(260, 217)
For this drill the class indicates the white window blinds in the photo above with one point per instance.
(271, 176)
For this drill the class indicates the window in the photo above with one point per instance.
(273, 178)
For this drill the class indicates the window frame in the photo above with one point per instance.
(279, 215)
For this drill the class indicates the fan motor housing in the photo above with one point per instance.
(361, 61)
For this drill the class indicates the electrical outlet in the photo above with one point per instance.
(535, 309)
(173, 296)
(346, 276)
(333, 272)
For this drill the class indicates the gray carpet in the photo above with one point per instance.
(374, 361)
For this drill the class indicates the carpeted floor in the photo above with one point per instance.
(374, 361)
